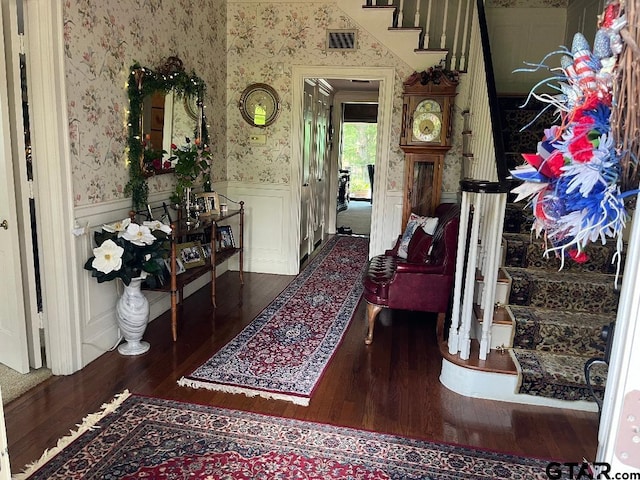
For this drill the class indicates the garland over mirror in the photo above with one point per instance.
(166, 118)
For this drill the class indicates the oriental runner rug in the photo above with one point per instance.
(283, 352)
(139, 437)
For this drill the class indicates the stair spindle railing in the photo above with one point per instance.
(484, 196)
(448, 21)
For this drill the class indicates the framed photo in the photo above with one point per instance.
(225, 237)
(211, 203)
(206, 249)
(190, 254)
(179, 266)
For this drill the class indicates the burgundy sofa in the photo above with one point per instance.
(424, 280)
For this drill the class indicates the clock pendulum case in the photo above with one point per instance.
(428, 98)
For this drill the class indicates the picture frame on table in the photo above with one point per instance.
(211, 203)
(225, 237)
(190, 254)
(179, 266)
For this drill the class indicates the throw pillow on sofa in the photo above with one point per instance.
(427, 224)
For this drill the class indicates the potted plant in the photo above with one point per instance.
(130, 252)
(189, 161)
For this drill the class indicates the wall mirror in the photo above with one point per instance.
(165, 108)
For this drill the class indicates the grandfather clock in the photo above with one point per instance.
(426, 137)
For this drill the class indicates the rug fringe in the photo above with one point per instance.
(88, 423)
(186, 382)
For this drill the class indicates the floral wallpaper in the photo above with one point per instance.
(264, 36)
(102, 40)
(260, 41)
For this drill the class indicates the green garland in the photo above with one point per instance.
(142, 82)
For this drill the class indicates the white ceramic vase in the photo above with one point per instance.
(132, 313)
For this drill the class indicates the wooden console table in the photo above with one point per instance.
(182, 231)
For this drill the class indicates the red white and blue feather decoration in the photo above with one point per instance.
(573, 179)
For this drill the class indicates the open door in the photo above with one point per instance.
(13, 330)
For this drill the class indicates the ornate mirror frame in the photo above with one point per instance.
(144, 82)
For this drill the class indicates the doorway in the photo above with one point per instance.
(356, 156)
(385, 97)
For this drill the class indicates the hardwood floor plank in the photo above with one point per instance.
(391, 386)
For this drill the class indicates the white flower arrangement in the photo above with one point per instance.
(127, 250)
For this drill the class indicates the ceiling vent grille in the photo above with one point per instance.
(341, 40)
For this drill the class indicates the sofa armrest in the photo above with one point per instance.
(407, 267)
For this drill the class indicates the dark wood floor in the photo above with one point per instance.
(391, 386)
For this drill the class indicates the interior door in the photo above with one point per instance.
(13, 330)
(20, 160)
(306, 232)
(5, 473)
(319, 185)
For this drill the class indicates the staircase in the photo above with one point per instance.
(423, 33)
(558, 316)
(534, 348)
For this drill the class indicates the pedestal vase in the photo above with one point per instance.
(132, 313)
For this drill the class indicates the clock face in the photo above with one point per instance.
(427, 126)
(259, 105)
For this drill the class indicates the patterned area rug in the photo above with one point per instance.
(140, 437)
(283, 352)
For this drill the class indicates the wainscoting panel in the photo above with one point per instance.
(268, 227)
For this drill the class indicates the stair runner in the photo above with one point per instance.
(558, 314)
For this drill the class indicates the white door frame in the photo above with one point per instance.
(386, 77)
(616, 430)
(44, 44)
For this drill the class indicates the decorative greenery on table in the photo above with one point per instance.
(144, 81)
(191, 160)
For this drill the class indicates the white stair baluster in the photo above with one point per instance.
(416, 18)
(401, 14)
(427, 25)
(495, 212)
(443, 38)
(454, 51)
(467, 304)
(454, 330)
(463, 56)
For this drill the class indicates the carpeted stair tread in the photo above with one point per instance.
(557, 375)
(558, 315)
(588, 292)
(526, 251)
(559, 331)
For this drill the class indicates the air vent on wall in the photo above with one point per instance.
(341, 40)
